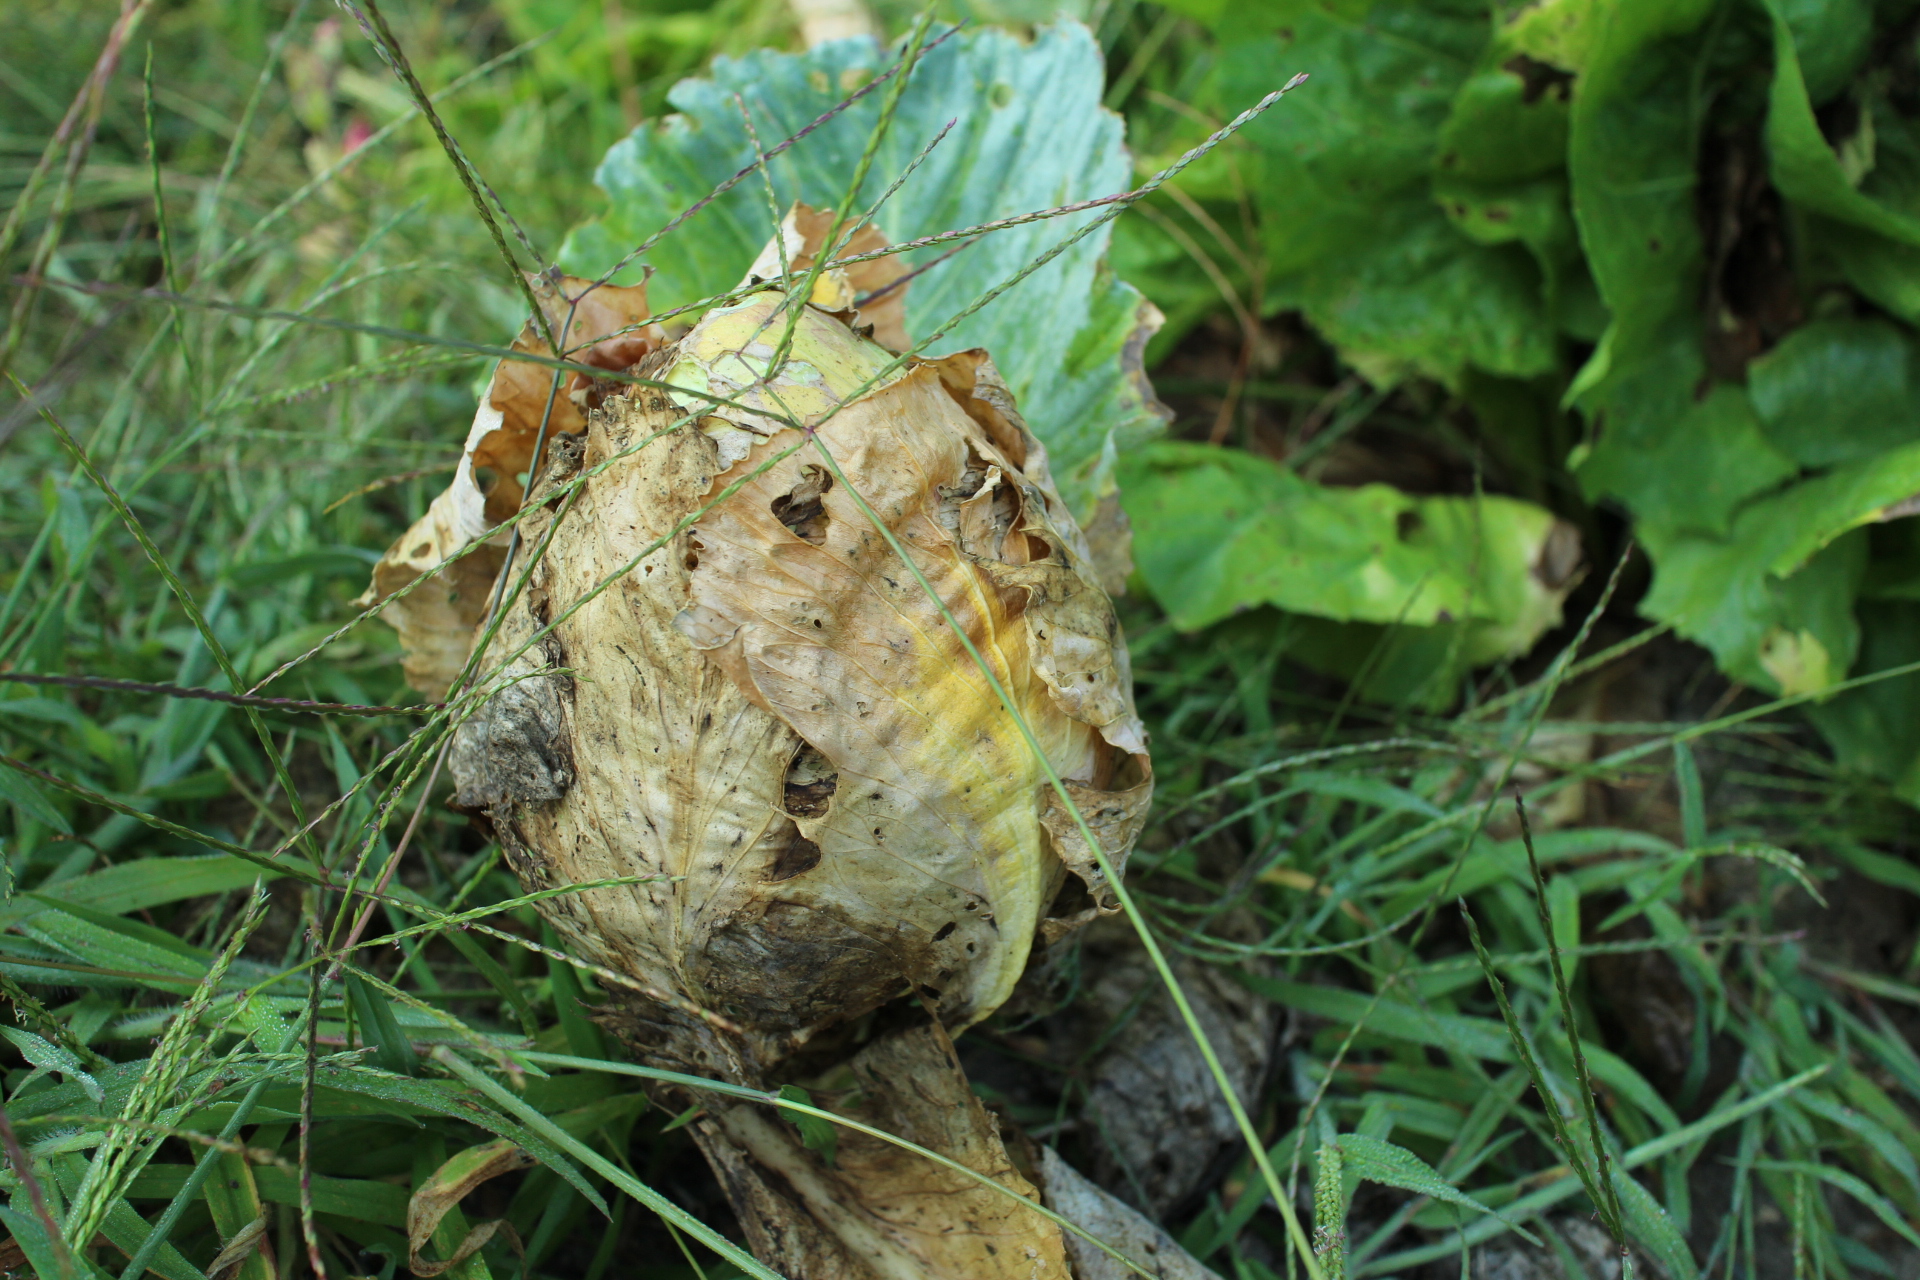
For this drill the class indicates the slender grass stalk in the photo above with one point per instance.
(1549, 1100)
(801, 293)
(86, 112)
(1569, 1015)
(374, 23)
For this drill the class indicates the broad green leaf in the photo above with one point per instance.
(1875, 729)
(1366, 132)
(1693, 470)
(1534, 213)
(1560, 34)
(1838, 391)
(1220, 531)
(1426, 299)
(1773, 599)
(1885, 271)
(1665, 439)
(1029, 134)
(1831, 40)
(1503, 128)
(1632, 156)
(1805, 167)
(1354, 238)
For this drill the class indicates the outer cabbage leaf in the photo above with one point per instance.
(1028, 133)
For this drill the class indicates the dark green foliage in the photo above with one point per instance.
(1692, 219)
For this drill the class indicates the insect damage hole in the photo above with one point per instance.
(801, 510)
(811, 782)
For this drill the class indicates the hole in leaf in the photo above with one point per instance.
(810, 784)
(802, 510)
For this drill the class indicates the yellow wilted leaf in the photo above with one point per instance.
(876, 289)
(435, 1198)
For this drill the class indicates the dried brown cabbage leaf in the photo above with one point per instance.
(877, 290)
(605, 326)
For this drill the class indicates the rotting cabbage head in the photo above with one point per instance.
(771, 709)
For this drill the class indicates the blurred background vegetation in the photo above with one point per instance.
(1518, 324)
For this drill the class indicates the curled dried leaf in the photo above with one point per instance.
(605, 326)
(876, 290)
(436, 620)
(441, 1193)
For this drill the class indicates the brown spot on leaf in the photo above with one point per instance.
(798, 857)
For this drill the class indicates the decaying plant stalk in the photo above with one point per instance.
(769, 707)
